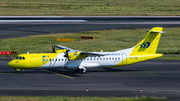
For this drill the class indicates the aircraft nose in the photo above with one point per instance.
(10, 64)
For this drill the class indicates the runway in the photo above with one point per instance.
(154, 77)
(50, 25)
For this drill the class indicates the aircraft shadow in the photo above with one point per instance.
(45, 71)
(70, 73)
(106, 70)
(64, 72)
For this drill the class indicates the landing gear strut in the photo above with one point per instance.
(17, 70)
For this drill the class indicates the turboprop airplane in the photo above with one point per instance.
(68, 58)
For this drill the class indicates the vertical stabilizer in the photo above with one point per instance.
(150, 43)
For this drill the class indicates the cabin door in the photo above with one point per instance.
(124, 58)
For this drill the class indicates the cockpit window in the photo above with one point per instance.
(20, 58)
(17, 58)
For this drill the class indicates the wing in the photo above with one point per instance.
(76, 54)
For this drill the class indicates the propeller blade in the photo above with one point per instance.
(66, 53)
(53, 48)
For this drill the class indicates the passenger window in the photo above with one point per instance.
(56, 59)
(103, 58)
(112, 58)
(115, 58)
(49, 59)
(87, 58)
(62, 59)
(100, 58)
(20, 58)
(106, 58)
(118, 58)
(109, 58)
(46, 59)
(52, 59)
(59, 59)
(23, 58)
(94, 58)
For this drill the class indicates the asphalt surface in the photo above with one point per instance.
(19, 26)
(13, 31)
(155, 78)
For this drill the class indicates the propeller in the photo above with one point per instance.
(53, 48)
(66, 54)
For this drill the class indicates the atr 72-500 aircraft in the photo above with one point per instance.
(68, 58)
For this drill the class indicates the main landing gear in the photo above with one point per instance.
(81, 70)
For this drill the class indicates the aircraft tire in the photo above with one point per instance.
(17, 72)
(82, 71)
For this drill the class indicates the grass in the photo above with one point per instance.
(169, 57)
(59, 98)
(106, 40)
(90, 7)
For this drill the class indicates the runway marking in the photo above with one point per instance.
(142, 72)
(69, 77)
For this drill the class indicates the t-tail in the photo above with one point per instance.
(146, 49)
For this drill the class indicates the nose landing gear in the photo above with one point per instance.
(17, 70)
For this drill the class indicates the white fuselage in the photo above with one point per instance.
(109, 59)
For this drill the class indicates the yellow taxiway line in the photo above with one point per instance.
(69, 77)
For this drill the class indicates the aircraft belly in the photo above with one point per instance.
(73, 64)
(90, 65)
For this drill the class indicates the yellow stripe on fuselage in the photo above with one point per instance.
(137, 58)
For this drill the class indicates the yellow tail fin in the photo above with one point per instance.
(150, 43)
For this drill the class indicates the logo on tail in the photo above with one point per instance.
(144, 45)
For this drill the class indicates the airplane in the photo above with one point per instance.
(80, 61)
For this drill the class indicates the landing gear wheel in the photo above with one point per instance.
(83, 71)
(17, 72)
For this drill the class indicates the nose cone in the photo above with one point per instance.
(10, 64)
